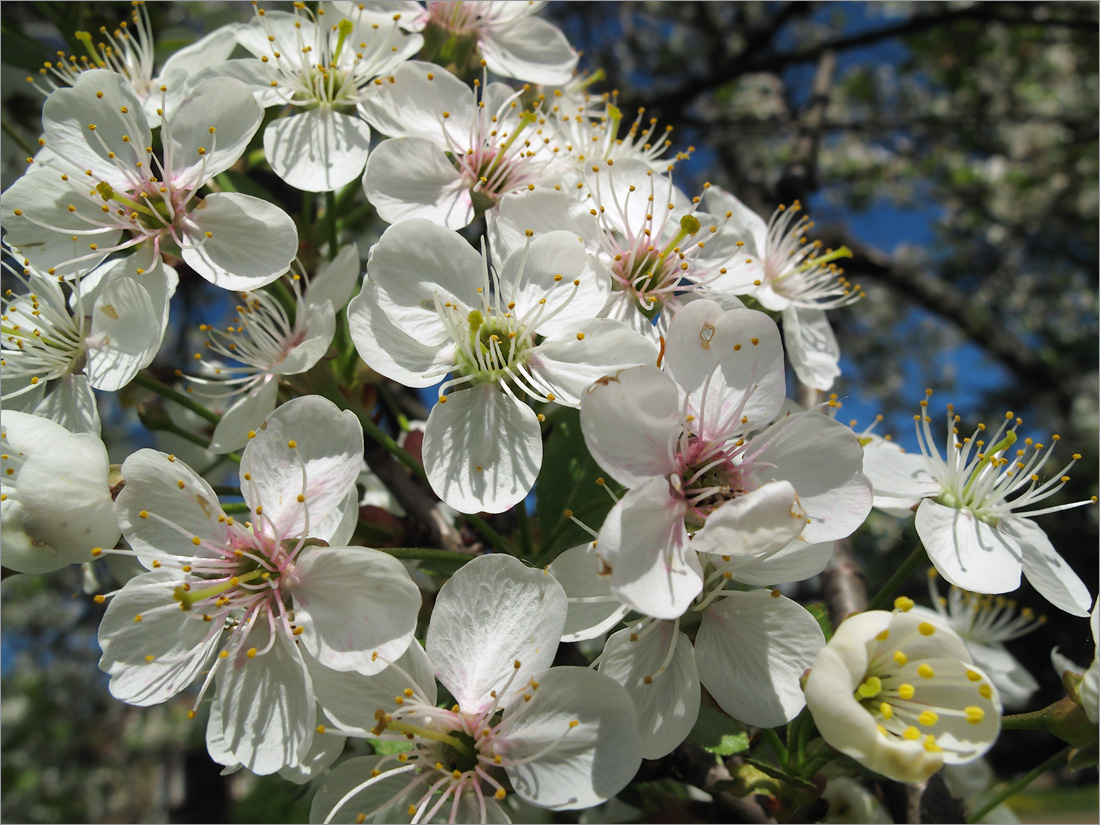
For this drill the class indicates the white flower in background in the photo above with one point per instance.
(708, 471)
(850, 801)
(787, 273)
(985, 623)
(749, 649)
(243, 361)
(974, 507)
(431, 305)
(565, 737)
(99, 188)
(510, 39)
(62, 339)
(1089, 688)
(56, 502)
(280, 594)
(454, 151)
(129, 52)
(897, 692)
(322, 65)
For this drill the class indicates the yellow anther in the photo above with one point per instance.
(883, 636)
(500, 793)
(904, 604)
(926, 628)
(887, 710)
(251, 653)
(930, 744)
(928, 718)
(925, 670)
(974, 714)
(196, 540)
(320, 728)
(906, 691)
(900, 658)
(911, 733)
(985, 691)
(292, 444)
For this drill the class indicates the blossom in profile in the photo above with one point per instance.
(974, 507)
(262, 605)
(62, 339)
(562, 737)
(1088, 689)
(897, 692)
(788, 273)
(56, 504)
(98, 187)
(241, 363)
(432, 306)
(321, 65)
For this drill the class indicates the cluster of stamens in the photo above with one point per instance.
(798, 269)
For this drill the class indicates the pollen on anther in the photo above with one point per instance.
(251, 653)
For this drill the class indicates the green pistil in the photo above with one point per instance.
(427, 733)
(990, 456)
(86, 39)
(106, 192)
(525, 120)
(870, 688)
(345, 29)
(828, 257)
(187, 598)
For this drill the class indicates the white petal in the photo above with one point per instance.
(72, 404)
(492, 615)
(385, 800)
(413, 106)
(252, 241)
(212, 48)
(194, 152)
(629, 420)
(1045, 570)
(746, 224)
(796, 562)
(968, 552)
(318, 150)
(752, 649)
(823, 459)
(585, 351)
(583, 727)
(668, 704)
(357, 607)
(69, 112)
(811, 347)
(592, 608)
(753, 526)
(903, 478)
(351, 700)
(728, 378)
(246, 415)
(644, 542)
(482, 450)
(540, 210)
(179, 643)
(321, 466)
(320, 327)
(530, 49)
(268, 708)
(326, 749)
(125, 335)
(415, 268)
(390, 351)
(410, 177)
(336, 279)
(168, 489)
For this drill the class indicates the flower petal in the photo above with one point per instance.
(125, 335)
(1045, 570)
(246, 415)
(390, 351)
(753, 526)
(209, 131)
(530, 49)
(811, 347)
(592, 607)
(968, 552)
(410, 177)
(317, 150)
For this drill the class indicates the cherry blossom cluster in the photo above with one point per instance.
(538, 256)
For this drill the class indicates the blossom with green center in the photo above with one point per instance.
(975, 503)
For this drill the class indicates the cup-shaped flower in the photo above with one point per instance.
(562, 737)
(62, 339)
(56, 503)
(99, 187)
(280, 594)
(974, 507)
(898, 693)
(432, 306)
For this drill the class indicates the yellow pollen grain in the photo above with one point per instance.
(900, 658)
(928, 718)
(292, 444)
(144, 514)
(911, 733)
(906, 691)
(887, 710)
(904, 604)
(301, 498)
(196, 540)
(926, 628)
(251, 653)
(500, 793)
(925, 670)
(973, 676)
(224, 654)
(974, 714)
(180, 484)
(985, 691)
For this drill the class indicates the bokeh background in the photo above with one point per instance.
(951, 146)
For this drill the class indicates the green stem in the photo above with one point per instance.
(1020, 783)
(144, 379)
(330, 221)
(1033, 720)
(524, 529)
(772, 738)
(916, 558)
(18, 138)
(226, 490)
(376, 531)
(236, 507)
(194, 439)
(427, 554)
(496, 539)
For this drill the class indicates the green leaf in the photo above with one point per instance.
(568, 481)
(718, 733)
(820, 612)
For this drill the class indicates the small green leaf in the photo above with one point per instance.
(718, 733)
(820, 612)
